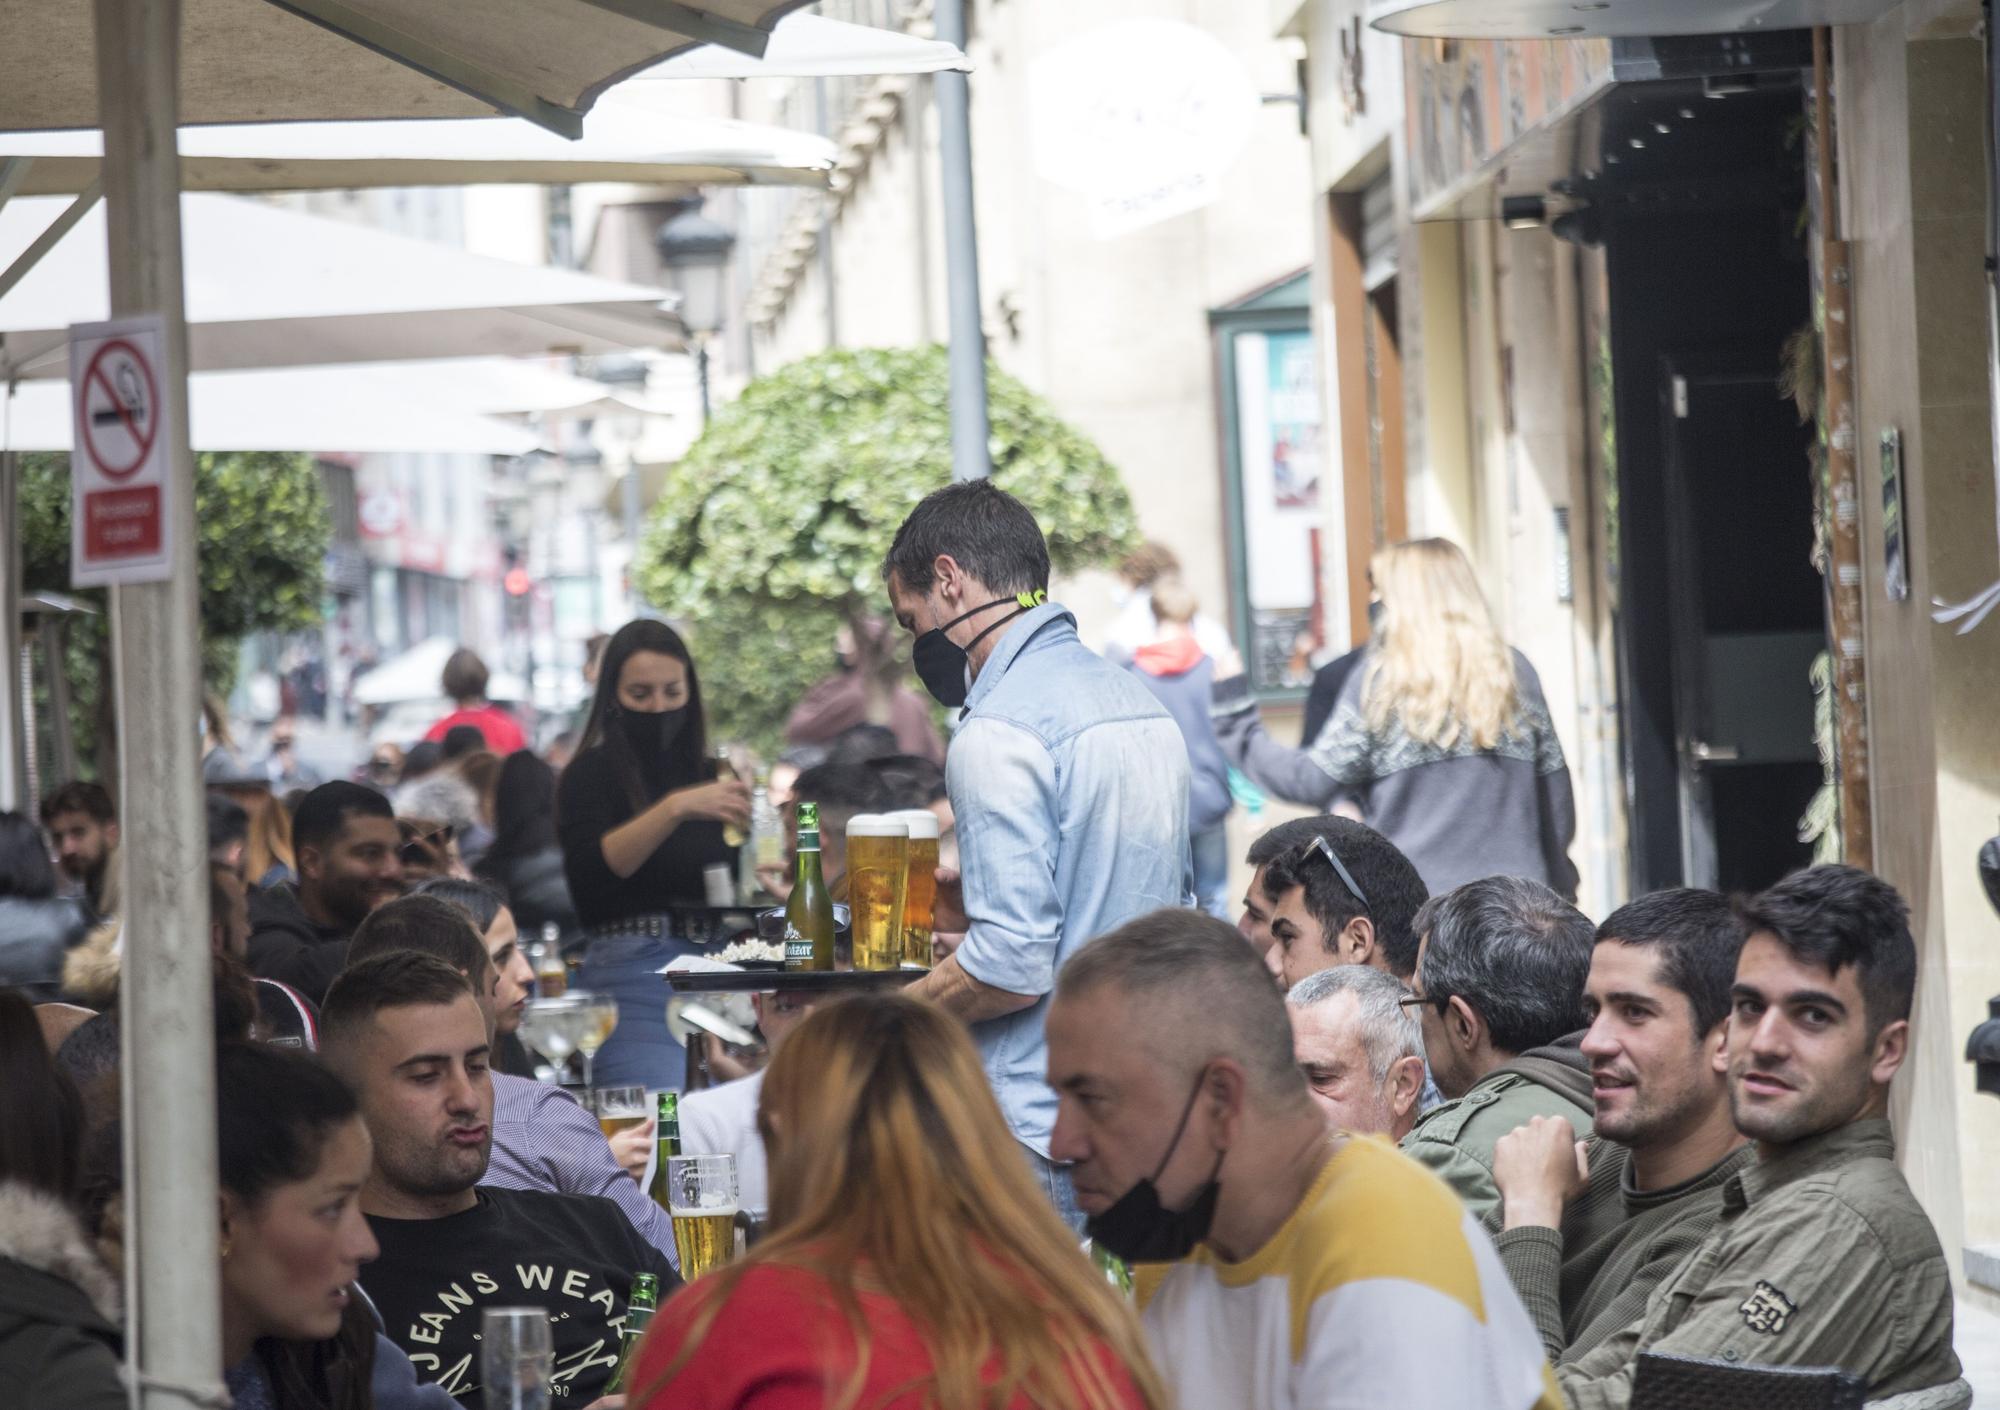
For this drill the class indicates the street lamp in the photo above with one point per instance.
(695, 251)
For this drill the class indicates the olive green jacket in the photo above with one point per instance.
(1821, 1257)
(1456, 1140)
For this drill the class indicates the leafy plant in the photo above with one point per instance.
(772, 529)
(261, 538)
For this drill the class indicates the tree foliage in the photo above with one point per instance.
(773, 527)
(261, 538)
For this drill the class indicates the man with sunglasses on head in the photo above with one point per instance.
(1501, 966)
(1344, 895)
(345, 839)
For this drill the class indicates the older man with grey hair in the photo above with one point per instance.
(1361, 1051)
(1501, 965)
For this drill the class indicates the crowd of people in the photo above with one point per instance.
(1412, 1131)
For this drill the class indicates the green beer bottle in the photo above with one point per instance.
(809, 912)
(639, 1309)
(669, 1135)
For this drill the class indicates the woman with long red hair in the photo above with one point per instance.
(912, 1263)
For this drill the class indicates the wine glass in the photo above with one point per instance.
(596, 1017)
(516, 1357)
(549, 1027)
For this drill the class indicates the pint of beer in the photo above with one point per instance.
(702, 1202)
(878, 857)
(920, 890)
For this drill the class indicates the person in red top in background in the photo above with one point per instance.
(912, 1262)
(464, 681)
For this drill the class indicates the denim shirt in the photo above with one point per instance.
(1069, 784)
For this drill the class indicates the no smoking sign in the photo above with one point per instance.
(120, 521)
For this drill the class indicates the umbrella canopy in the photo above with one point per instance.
(270, 287)
(310, 409)
(336, 60)
(624, 139)
(811, 46)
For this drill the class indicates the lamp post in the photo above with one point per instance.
(695, 251)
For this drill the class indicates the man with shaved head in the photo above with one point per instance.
(1313, 1269)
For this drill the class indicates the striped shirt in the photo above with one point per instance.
(1378, 1290)
(543, 1139)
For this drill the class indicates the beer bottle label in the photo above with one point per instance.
(798, 948)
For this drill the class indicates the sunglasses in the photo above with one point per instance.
(1325, 849)
(425, 848)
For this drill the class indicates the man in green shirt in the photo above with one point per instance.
(1821, 1256)
(1499, 986)
(1591, 1228)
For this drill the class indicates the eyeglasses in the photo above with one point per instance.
(1325, 849)
(1424, 1001)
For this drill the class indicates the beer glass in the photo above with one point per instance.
(620, 1109)
(920, 887)
(878, 858)
(701, 1195)
(516, 1357)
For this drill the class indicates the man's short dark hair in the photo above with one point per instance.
(1697, 935)
(1393, 887)
(79, 795)
(394, 979)
(324, 812)
(1835, 916)
(852, 788)
(862, 744)
(228, 821)
(464, 676)
(1288, 837)
(912, 780)
(428, 925)
(988, 532)
(1516, 952)
(461, 740)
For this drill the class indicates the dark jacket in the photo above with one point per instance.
(1181, 677)
(537, 890)
(35, 936)
(287, 946)
(58, 1309)
(1456, 1140)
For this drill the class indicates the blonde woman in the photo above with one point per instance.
(1439, 739)
(913, 1262)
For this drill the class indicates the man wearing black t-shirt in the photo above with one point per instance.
(406, 1032)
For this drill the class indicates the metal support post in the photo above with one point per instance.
(970, 433)
(169, 1043)
(14, 721)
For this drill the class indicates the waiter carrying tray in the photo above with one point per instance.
(1068, 781)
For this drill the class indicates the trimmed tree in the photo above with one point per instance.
(262, 534)
(771, 531)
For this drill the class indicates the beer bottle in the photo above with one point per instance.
(639, 1309)
(669, 1135)
(809, 911)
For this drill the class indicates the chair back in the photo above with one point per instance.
(1663, 1382)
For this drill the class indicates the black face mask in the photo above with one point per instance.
(649, 732)
(1139, 1230)
(942, 664)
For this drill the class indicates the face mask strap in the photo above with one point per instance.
(1186, 1113)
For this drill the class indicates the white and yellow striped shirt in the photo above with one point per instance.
(1380, 1292)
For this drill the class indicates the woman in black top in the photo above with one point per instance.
(639, 810)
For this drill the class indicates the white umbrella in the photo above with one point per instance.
(353, 410)
(271, 287)
(624, 139)
(811, 46)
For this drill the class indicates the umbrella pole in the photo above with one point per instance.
(13, 713)
(168, 1029)
(970, 433)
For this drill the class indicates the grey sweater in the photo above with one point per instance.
(1458, 814)
(1592, 1277)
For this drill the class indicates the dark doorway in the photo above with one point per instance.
(1719, 609)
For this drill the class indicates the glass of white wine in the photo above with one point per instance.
(597, 1016)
